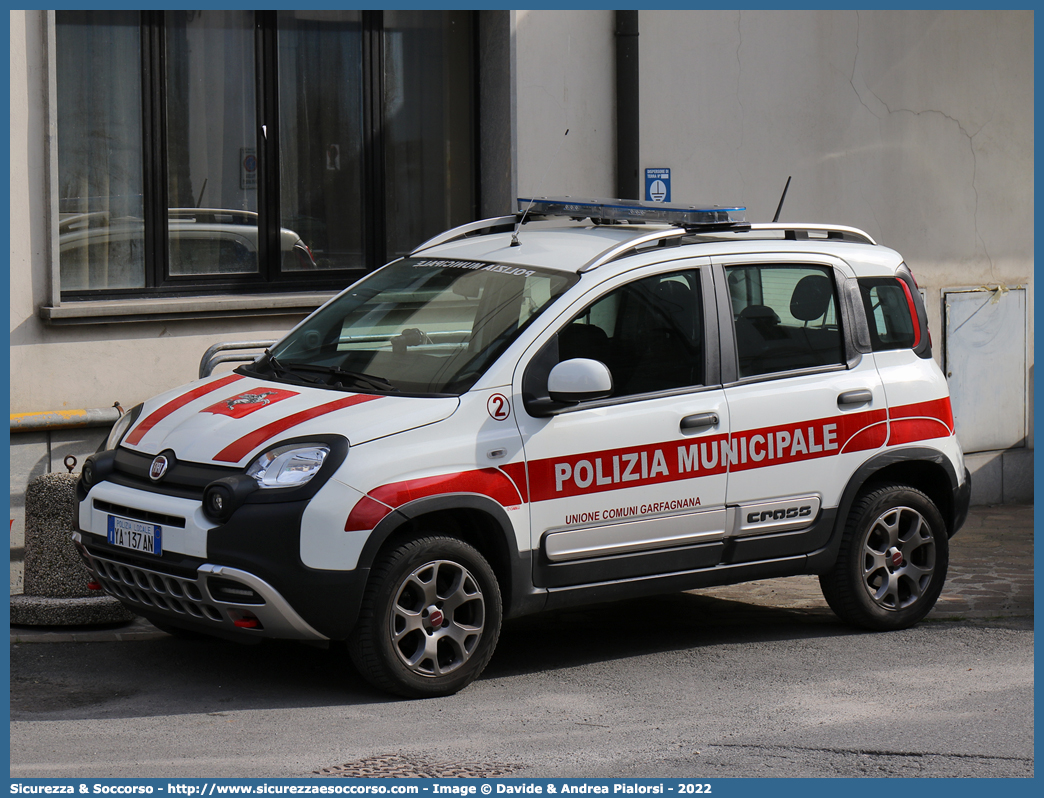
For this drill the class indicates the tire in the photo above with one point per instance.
(868, 586)
(430, 619)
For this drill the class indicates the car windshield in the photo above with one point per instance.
(417, 326)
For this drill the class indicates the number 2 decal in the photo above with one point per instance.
(498, 406)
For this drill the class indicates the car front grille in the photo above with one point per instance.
(139, 515)
(154, 590)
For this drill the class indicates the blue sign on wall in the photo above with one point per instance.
(658, 185)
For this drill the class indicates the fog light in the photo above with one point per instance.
(217, 502)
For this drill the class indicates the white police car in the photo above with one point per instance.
(537, 411)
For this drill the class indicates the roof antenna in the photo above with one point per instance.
(522, 218)
(780, 206)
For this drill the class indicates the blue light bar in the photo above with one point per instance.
(632, 211)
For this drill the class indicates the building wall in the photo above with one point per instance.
(916, 126)
(566, 81)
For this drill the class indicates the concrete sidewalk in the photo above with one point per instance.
(990, 577)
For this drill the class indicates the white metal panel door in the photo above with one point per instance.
(986, 366)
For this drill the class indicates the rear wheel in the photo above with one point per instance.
(430, 619)
(893, 560)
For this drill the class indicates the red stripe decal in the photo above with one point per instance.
(517, 473)
(492, 482)
(487, 481)
(650, 464)
(365, 515)
(157, 416)
(670, 461)
(236, 451)
(939, 409)
(872, 437)
(909, 430)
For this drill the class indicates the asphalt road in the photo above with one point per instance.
(685, 685)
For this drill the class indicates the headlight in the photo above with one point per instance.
(119, 429)
(288, 466)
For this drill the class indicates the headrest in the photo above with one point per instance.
(811, 297)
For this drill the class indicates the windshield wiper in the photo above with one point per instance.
(280, 370)
(379, 383)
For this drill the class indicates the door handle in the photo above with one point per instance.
(861, 396)
(698, 421)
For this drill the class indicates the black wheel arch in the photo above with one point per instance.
(926, 469)
(477, 520)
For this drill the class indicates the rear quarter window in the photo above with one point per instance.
(889, 314)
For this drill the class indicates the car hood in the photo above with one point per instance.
(228, 420)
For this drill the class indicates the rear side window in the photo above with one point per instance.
(786, 318)
(890, 314)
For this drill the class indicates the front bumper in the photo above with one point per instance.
(207, 602)
(209, 577)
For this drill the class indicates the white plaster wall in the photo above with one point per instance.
(916, 126)
(566, 78)
(27, 269)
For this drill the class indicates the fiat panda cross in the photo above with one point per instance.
(585, 401)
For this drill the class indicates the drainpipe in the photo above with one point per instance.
(64, 419)
(628, 184)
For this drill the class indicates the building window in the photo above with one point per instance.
(204, 152)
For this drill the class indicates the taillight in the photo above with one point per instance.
(913, 312)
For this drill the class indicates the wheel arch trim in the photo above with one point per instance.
(952, 511)
(511, 563)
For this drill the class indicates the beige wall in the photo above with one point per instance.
(566, 81)
(914, 126)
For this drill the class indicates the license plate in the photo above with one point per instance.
(135, 535)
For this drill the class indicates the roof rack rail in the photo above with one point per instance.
(466, 230)
(619, 250)
(799, 232)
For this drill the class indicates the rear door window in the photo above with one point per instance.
(785, 317)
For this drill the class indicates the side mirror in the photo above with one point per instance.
(579, 380)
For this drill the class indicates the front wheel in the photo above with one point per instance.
(893, 560)
(430, 619)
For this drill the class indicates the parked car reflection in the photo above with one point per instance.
(98, 250)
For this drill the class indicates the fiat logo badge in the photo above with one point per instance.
(158, 468)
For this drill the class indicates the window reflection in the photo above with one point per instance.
(429, 124)
(100, 206)
(320, 135)
(211, 142)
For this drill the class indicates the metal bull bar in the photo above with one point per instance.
(212, 357)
